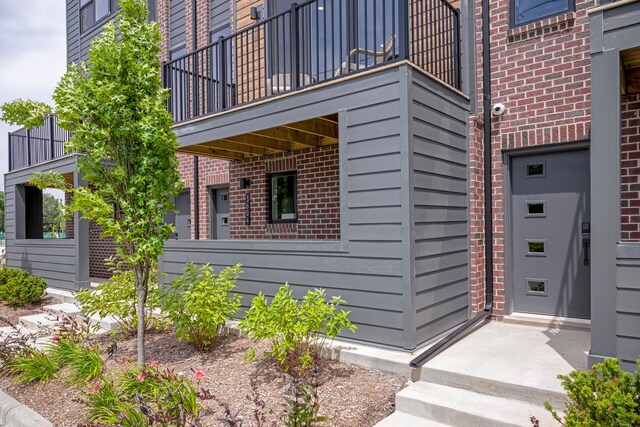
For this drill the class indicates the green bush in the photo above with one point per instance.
(18, 288)
(142, 396)
(200, 302)
(605, 395)
(84, 363)
(295, 329)
(117, 298)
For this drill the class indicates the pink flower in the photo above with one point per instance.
(154, 364)
(128, 358)
(55, 338)
(198, 374)
(140, 376)
(96, 388)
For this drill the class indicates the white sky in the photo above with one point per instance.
(33, 55)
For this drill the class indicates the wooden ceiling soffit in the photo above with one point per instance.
(199, 150)
(260, 141)
(320, 126)
(289, 136)
(235, 147)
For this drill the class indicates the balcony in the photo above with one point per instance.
(313, 43)
(38, 145)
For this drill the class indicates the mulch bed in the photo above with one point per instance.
(349, 395)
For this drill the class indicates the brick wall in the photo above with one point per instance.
(630, 168)
(100, 248)
(318, 189)
(541, 73)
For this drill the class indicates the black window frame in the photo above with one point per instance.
(270, 178)
(84, 4)
(571, 7)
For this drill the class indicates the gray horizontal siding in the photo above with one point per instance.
(439, 207)
(219, 14)
(73, 31)
(628, 305)
(177, 26)
(53, 260)
(366, 266)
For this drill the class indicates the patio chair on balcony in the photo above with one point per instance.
(282, 83)
(351, 63)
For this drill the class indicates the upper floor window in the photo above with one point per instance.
(525, 11)
(93, 11)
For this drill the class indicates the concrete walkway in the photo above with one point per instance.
(499, 375)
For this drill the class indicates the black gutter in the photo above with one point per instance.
(196, 177)
(422, 358)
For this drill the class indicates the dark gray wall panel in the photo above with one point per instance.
(73, 31)
(371, 266)
(628, 303)
(176, 23)
(439, 206)
(56, 261)
(219, 14)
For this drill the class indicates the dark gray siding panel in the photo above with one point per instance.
(439, 206)
(176, 23)
(628, 304)
(73, 31)
(220, 14)
(54, 260)
(366, 266)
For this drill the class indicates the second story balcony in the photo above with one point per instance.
(313, 43)
(38, 145)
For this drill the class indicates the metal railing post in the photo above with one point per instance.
(195, 84)
(10, 153)
(456, 48)
(294, 32)
(222, 73)
(28, 147)
(52, 135)
(403, 29)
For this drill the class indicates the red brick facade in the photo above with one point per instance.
(541, 73)
(630, 168)
(100, 248)
(318, 190)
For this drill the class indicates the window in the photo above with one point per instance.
(537, 287)
(535, 209)
(525, 11)
(93, 11)
(535, 170)
(283, 196)
(536, 248)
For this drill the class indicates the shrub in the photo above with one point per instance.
(605, 395)
(200, 302)
(150, 395)
(117, 298)
(18, 288)
(13, 343)
(294, 329)
(33, 366)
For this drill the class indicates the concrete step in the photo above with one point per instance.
(511, 361)
(464, 408)
(107, 324)
(400, 419)
(6, 330)
(63, 308)
(61, 295)
(552, 322)
(37, 322)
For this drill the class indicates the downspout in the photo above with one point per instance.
(488, 201)
(196, 177)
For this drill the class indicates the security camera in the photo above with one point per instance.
(498, 109)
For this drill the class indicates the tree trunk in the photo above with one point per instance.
(142, 299)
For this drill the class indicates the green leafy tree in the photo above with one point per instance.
(52, 213)
(115, 107)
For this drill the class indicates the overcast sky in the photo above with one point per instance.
(32, 55)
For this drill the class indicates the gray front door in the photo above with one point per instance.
(549, 208)
(219, 213)
(183, 215)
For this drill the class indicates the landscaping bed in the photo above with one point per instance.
(348, 395)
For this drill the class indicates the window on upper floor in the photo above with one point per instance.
(526, 11)
(94, 11)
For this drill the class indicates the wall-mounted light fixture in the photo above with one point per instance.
(245, 182)
(255, 12)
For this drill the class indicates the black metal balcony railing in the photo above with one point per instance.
(38, 145)
(313, 42)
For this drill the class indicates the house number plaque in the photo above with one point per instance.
(247, 208)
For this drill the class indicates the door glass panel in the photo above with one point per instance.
(536, 247)
(535, 170)
(535, 209)
(537, 286)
